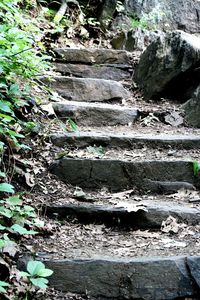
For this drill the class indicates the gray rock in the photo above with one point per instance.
(83, 139)
(101, 72)
(93, 56)
(168, 187)
(168, 66)
(152, 216)
(192, 109)
(194, 267)
(95, 114)
(167, 14)
(87, 89)
(119, 175)
(142, 278)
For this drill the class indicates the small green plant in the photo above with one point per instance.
(3, 286)
(37, 273)
(196, 168)
(96, 150)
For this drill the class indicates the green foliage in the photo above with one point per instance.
(96, 150)
(3, 286)
(196, 167)
(36, 273)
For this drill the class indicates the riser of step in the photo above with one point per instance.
(90, 114)
(100, 72)
(93, 56)
(150, 218)
(152, 278)
(86, 89)
(84, 139)
(119, 175)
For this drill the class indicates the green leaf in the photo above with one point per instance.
(72, 124)
(45, 272)
(5, 106)
(7, 188)
(14, 90)
(2, 174)
(21, 230)
(14, 201)
(24, 274)
(196, 167)
(40, 282)
(34, 266)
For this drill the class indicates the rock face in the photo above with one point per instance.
(167, 14)
(88, 89)
(96, 114)
(192, 109)
(92, 56)
(101, 72)
(118, 175)
(152, 278)
(169, 66)
(164, 14)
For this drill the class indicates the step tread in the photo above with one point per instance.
(127, 139)
(93, 55)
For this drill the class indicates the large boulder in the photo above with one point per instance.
(159, 14)
(170, 66)
(167, 14)
(192, 109)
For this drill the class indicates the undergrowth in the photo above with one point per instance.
(21, 61)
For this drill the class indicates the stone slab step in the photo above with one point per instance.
(93, 56)
(95, 114)
(142, 278)
(131, 140)
(87, 89)
(120, 174)
(143, 215)
(100, 71)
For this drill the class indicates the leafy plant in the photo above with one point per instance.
(196, 167)
(37, 273)
(96, 150)
(3, 286)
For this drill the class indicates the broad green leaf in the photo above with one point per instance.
(34, 266)
(6, 212)
(5, 106)
(45, 272)
(7, 188)
(2, 174)
(21, 230)
(24, 274)
(14, 200)
(40, 282)
(196, 167)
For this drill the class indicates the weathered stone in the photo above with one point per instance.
(167, 14)
(83, 139)
(192, 109)
(194, 266)
(118, 175)
(93, 56)
(87, 89)
(143, 278)
(169, 66)
(96, 114)
(152, 217)
(168, 187)
(101, 72)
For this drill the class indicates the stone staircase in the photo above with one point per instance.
(139, 179)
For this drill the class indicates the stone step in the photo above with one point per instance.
(159, 175)
(93, 56)
(91, 114)
(144, 278)
(133, 214)
(113, 139)
(86, 89)
(102, 72)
